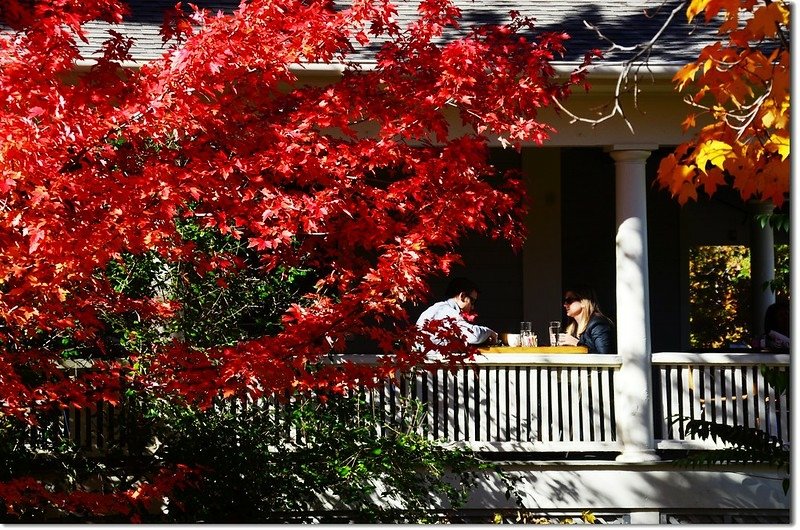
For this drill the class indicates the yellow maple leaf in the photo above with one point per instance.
(779, 142)
(768, 114)
(713, 152)
(695, 7)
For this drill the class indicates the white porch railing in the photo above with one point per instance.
(727, 388)
(515, 402)
(567, 403)
(544, 403)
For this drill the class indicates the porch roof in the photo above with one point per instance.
(624, 21)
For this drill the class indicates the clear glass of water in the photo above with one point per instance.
(554, 328)
(525, 334)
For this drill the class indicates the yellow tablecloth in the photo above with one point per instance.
(534, 349)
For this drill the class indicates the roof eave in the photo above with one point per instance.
(598, 71)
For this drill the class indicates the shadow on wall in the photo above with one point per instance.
(660, 486)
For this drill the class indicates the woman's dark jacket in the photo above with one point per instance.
(599, 335)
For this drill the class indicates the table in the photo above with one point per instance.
(533, 349)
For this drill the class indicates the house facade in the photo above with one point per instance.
(597, 217)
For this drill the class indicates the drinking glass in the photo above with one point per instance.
(525, 334)
(554, 327)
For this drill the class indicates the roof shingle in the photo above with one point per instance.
(626, 22)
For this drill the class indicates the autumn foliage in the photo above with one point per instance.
(739, 88)
(361, 180)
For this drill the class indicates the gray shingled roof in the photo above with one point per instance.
(624, 21)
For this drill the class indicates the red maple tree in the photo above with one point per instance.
(362, 179)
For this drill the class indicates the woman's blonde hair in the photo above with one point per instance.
(588, 300)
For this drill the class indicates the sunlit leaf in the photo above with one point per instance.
(780, 143)
(695, 7)
(712, 152)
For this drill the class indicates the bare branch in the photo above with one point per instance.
(631, 66)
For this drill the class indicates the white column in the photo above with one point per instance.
(633, 399)
(762, 264)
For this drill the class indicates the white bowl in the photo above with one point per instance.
(511, 339)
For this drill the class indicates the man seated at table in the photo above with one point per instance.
(460, 298)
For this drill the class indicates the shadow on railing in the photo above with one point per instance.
(514, 402)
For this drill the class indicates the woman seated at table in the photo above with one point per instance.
(586, 324)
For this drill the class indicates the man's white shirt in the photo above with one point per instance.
(473, 333)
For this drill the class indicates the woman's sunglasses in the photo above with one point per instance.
(570, 300)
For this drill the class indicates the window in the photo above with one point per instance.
(719, 296)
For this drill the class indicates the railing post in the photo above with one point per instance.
(633, 395)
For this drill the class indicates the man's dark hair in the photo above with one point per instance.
(460, 285)
(776, 318)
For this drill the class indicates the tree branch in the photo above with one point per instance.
(639, 60)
